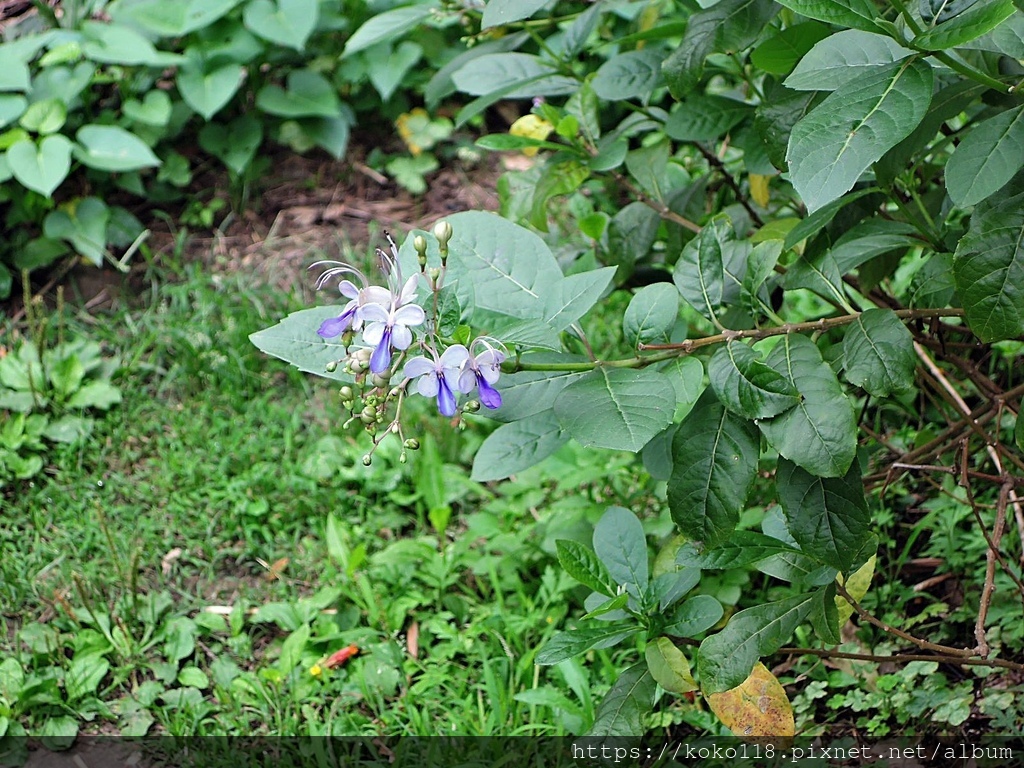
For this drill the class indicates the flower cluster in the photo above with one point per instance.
(380, 325)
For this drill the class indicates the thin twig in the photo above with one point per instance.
(662, 210)
(716, 162)
(990, 568)
(944, 649)
(824, 653)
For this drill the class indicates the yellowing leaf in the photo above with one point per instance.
(420, 132)
(756, 707)
(857, 585)
(759, 189)
(669, 666)
(531, 127)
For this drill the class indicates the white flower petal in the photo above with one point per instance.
(428, 385)
(410, 314)
(418, 366)
(348, 289)
(401, 337)
(374, 313)
(373, 333)
(408, 291)
(454, 356)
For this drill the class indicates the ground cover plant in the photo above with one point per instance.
(713, 430)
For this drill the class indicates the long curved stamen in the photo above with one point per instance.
(339, 268)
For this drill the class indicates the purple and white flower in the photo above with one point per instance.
(481, 371)
(439, 377)
(350, 317)
(389, 328)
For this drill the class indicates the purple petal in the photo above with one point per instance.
(381, 357)
(445, 398)
(334, 326)
(489, 396)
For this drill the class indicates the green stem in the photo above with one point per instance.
(663, 352)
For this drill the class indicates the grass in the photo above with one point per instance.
(187, 568)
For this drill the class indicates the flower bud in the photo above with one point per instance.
(435, 278)
(332, 366)
(412, 444)
(367, 460)
(346, 393)
(443, 233)
(402, 458)
(379, 380)
(472, 406)
(369, 412)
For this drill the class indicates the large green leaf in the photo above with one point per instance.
(565, 645)
(295, 341)
(988, 268)
(728, 25)
(878, 353)
(584, 565)
(837, 141)
(171, 19)
(498, 12)
(83, 224)
(285, 22)
(698, 614)
(575, 295)
(528, 393)
(705, 118)
(748, 387)
(989, 156)
(700, 271)
(617, 408)
(971, 24)
(775, 117)
(714, 462)
(108, 43)
(669, 666)
(517, 446)
(235, 143)
(651, 314)
(386, 26)
(40, 168)
(859, 14)
(209, 92)
(779, 54)
(620, 544)
(742, 549)
(309, 94)
(512, 75)
(725, 660)
(820, 433)
(622, 710)
(843, 57)
(828, 516)
(629, 75)
(110, 148)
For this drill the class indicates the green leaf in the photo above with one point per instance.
(41, 168)
(621, 546)
(499, 12)
(575, 295)
(828, 517)
(116, 44)
(96, 394)
(779, 54)
(700, 271)
(651, 315)
(565, 645)
(705, 118)
(824, 616)
(714, 462)
(698, 614)
(669, 667)
(11, 108)
(748, 387)
(742, 549)
(775, 117)
(977, 20)
(622, 710)
(309, 94)
(616, 408)
(154, 109)
(110, 148)
(820, 433)
(84, 676)
(295, 341)
(292, 648)
(859, 14)
(528, 393)
(988, 268)
(44, 117)
(837, 141)
(172, 19)
(389, 67)
(728, 25)
(209, 92)
(583, 565)
(511, 75)
(820, 219)
(83, 224)
(938, 11)
(843, 57)
(285, 22)
(386, 26)
(517, 446)
(988, 157)
(234, 144)
(878, 353)
(630, 75)
(726, 659)
(14, 72)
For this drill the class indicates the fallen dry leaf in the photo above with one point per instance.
(756, 707)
